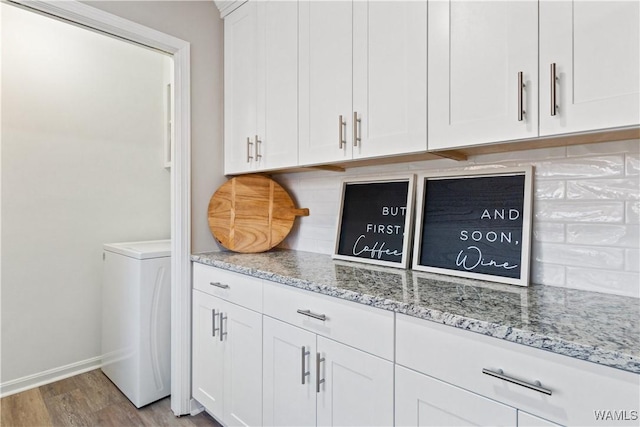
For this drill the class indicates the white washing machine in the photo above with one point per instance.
(136, 319)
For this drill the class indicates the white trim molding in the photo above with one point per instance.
(84, 15)
(18, 385)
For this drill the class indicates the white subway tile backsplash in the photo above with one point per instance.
(578, 211)
(548, 274)
(610, 147)
(603, 166)
(544, 190)
(632, 164)
(580, 256)
(603, 235)
(521, 156)
(607, 189)
(550, 232)
(586, 210)
(632, 259)
(613, 282)
(632, 213)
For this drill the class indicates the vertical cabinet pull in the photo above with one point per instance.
(342, 126)
(304, 372)
(249, 144)
(222, 319)
(213, 322)
(319, 381)
(356, 129)
(258, 142)
(521, 87)
(554, 79)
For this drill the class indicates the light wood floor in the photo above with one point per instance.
(89, 400)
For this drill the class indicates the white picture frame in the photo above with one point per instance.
(382, 235)
(435, 249)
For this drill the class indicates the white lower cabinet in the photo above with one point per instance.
(311, 380)
(356, 388)
(227, 360)
(557, 388)
(425, 401)
(289, 381)
(528, 420)
(273, 355)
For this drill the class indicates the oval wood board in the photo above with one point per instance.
(251, 213)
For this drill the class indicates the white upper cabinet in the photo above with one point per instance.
(363, 70)
(595, 47)
(325, 70)
(389, 78)
(240, 89)
(483, 72)
(261, 86)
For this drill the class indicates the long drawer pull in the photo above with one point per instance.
(501, 375)
(314, 315)
(219, 285)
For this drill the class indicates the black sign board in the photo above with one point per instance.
(375, 221)
(476, 226)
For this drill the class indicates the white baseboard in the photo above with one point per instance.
(51, 375)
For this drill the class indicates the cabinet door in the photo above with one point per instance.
(241, 332)
(595, 46)
(528, 420)
(289, 396)
(277, 144)
(476, 51)
(425, 401)
(240, 88)
(390, 77)
(208, 353)
(325, 70)
(356, 388)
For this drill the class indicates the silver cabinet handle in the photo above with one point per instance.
(222, 319)
(521, 87)
(258, 142)
(249, 144)
(500, 374)
(319, 381)
(213, 322)
(219, 285)
(314, 315)
(356, 129)
(342, 125)
(554, 79)
(304, 373)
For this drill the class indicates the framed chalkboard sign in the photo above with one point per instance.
(476, 226)
(375, 221)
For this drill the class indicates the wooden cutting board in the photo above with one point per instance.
(251, 213)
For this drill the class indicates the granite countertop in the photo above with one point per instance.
(596, 327)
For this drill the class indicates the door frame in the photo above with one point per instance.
(77, 13)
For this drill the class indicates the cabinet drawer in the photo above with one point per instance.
(578, 388)
(366, 328)
(234, 287)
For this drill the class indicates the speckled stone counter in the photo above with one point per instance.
(591, 326)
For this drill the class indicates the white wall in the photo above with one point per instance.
(586, 211)
(82, 164)
(199, 23)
